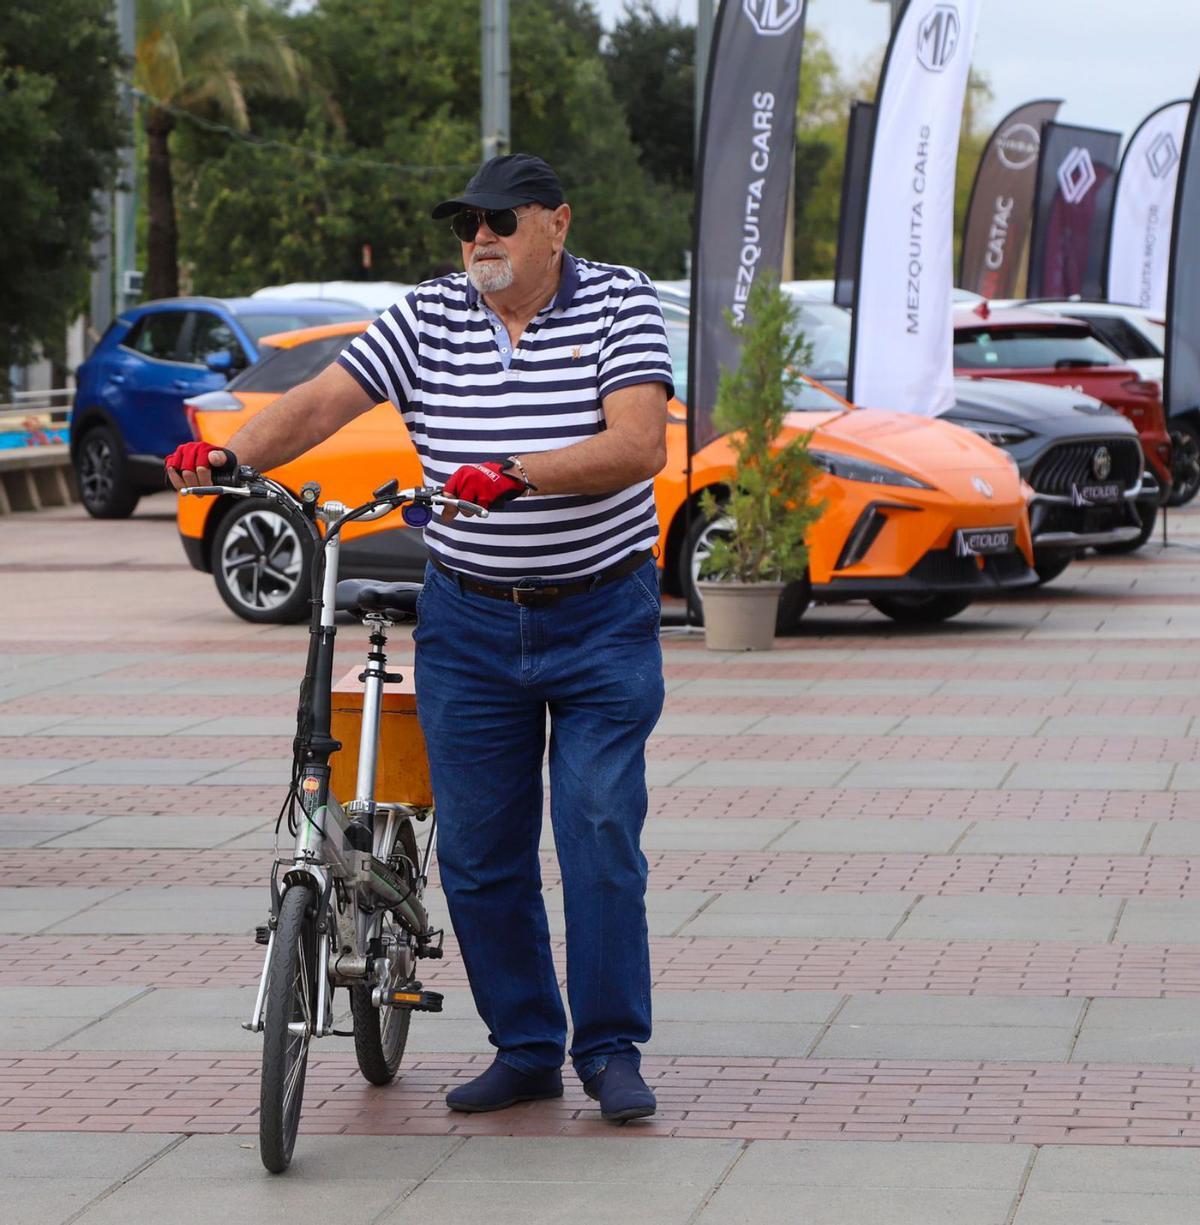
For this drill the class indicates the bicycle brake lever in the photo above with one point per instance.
(238, 491)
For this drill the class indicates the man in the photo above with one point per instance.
(535, 384)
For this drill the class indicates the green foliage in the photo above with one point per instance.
(769, 505)
(60, 130)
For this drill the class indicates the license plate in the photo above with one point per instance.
(981, 541)
(1096, 495)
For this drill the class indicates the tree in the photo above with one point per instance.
(60, 131)
(203, 57)
(651, 66)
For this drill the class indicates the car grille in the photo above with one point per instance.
(1069, 465)
(941, 567)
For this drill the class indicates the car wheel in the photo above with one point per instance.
(100, 469)
(793, 601)
(1049, 566)
(1185, 463)
(922, 609)
(1149, 514)
(261, 564)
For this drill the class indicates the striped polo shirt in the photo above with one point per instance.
(440, 356)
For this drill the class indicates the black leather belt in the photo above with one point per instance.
(542, 596)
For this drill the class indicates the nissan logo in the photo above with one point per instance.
(937, 37)
(1017, 146)
(982, 486)
(771, 17)
(1101, 463)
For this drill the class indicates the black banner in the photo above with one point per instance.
(743, 179)
(854, 198)
(998, 214)
(1181, 389)
(1072, 211)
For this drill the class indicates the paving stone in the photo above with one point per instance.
(135, 771)
(1160, 921)
(17, 771)
(1011, 837)
(996, 917)
(891, 775)
(712, 833)
(879, 1041)
(858, 1164)
(825, 725)
(85, 1002)
(970, 725)
(1175, 838)
(148, 832)
(1001, 687)
(1186, 776)
(28, 829)
(783, 916)
(1109, 1208)
(742, 1039)
(779, 1205)
(877, 835)
(242, 725)
(661, 1162)
(540, 1203)
(26, 725)
(760, 774)
(1140, 1031)
(167, 909)
(1124, 725)
(714, 724)
(1141, 1170)
(922, 1008)
(34, 907)
(32, 1155)
(1090, 776)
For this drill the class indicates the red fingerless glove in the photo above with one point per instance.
(484, 484)
(193, 455)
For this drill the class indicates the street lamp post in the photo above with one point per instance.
(495, 78)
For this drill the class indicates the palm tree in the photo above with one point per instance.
(201, 56)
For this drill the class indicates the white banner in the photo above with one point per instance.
(1140, 242)
(901, 338)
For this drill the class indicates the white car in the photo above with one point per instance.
(373, 296)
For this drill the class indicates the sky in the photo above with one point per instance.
(1112, 61)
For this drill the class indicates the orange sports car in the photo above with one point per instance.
(920, 516)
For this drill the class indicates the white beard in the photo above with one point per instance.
(490, 275)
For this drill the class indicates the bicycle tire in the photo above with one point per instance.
(381, 1034)
(291, 996)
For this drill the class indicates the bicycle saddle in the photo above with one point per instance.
(360, 596)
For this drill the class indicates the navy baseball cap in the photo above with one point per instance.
(506, 182)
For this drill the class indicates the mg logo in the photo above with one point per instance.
(1017, 146)
(981, 486)
(937, 37)
(1102, 463)
(1162, 155)
(1076, 175)
(773, 16)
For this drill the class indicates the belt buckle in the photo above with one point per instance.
(519, 592)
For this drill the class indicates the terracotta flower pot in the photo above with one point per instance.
(740, 616)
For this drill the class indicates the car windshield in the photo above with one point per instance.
(279, 370)
(825, 328)
(1031, 347)
(283, 320)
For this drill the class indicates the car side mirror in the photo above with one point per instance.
(220, 362)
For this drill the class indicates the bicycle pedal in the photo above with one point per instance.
(414, 1001)
(262, 935)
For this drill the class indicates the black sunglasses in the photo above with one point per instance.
(501, 221)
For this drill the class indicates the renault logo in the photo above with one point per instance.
(773, 16)
(1076, 175)
(1101, 463)
(982, 486)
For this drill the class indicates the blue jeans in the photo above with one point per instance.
(487, 673)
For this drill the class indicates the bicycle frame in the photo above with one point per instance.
(321, 860)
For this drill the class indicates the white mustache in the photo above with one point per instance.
(488, 253)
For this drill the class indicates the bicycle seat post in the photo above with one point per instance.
(373, 677)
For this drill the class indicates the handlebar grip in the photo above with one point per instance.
(472, 511)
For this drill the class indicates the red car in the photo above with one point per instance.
(1038, 347)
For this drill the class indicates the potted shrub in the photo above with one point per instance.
(761, 547)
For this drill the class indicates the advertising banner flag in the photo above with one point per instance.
(1072, 210)
(1139, 243)
(1182, 386)
(854, 195)
(1001, 205)
(900, 339)
(743, 181)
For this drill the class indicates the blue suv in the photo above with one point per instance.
(128, 413)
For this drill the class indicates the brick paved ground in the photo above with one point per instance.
(925, 921)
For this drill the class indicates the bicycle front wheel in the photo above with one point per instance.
(289, 1023)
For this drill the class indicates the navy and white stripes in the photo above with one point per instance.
(437, 357)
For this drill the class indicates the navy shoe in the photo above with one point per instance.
(501, 1086)
(621, 1092)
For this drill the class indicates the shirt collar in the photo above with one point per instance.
(568, 285)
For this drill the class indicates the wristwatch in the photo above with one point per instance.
(513, 462)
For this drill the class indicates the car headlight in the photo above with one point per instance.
(997, 435)
(850, 468)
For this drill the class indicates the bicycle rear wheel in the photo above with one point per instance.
(289, 1022)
